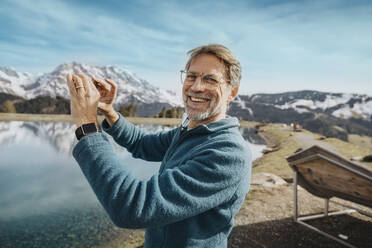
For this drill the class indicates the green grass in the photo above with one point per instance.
(349, 150)
(136, 241)
(275, 162)
(362, 141)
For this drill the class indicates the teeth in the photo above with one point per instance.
(194, 99)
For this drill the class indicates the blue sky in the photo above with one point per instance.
(282, 45)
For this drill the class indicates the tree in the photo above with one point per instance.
(7, 107)
(129, 110)
(175, 112)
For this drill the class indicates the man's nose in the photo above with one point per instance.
(198, 85)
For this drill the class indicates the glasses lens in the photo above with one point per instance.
(183, 76)
(209, 80)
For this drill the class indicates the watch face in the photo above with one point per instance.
(86, 129)
(89, 128)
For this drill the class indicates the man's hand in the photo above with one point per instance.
(84, 99)
(107, 90)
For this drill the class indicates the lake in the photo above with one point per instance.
(45, 200)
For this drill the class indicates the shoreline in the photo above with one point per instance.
(67, 118)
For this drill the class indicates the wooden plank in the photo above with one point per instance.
(329, 177)
(295, 158)
(326, 174)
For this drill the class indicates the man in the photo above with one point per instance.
(205, 162)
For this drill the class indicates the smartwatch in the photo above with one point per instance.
(86, 129)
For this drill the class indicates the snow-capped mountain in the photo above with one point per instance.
(310, 108)
(339, 105)
(331, 114)
(13, 82)
(131, 88)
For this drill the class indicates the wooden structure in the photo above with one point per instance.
(326, 175)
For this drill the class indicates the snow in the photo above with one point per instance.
(302, 110)
(54, 84)
(242, 105)
(130, 86)
(294, 104)
(344, 113)
(360, 110)
(332, 101)
(11, 81)
(329, 102)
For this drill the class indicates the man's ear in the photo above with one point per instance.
(233, 94)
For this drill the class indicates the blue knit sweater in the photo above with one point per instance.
(202, 182)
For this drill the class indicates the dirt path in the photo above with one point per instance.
(307, 140)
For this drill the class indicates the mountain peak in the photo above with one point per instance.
(54, 84)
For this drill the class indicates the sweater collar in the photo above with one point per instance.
(225, 123)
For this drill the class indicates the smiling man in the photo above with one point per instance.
(205, 163)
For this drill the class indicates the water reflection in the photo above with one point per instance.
(42, 189)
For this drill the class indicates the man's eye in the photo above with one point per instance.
(191, 77)
(210, 80)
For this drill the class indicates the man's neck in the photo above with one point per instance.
(194, 123)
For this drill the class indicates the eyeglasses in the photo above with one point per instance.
(209, 80)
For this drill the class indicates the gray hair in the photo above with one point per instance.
(233, 69)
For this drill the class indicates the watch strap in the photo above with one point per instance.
(86, 129)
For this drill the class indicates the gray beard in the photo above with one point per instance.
(195, 115)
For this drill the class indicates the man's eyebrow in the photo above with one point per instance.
(208, 74)
(193, 72)
(211, 74)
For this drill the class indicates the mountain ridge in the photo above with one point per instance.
(131, 88)
(127, 82)
(331, 114)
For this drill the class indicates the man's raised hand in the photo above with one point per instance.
(84, 99)
(107, 90)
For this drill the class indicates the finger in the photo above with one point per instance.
(85, 80)
(92, 88)
(71, 85)
(113, 85)
(79, 85)
(102, 84)
(88, 84)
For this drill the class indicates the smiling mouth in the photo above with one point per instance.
(198, 99)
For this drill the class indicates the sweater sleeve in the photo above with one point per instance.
(206, 181)
(150, 147)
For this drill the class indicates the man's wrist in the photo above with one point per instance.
(86, 129)
(111, 117)
(83, 122)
